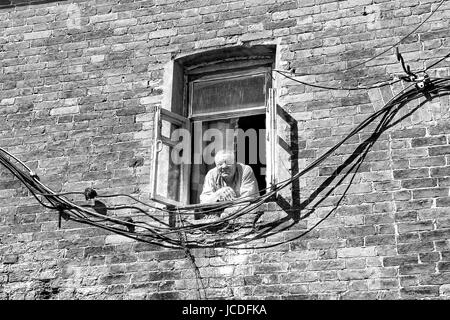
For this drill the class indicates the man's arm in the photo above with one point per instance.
(249, 188)
(208, 194)
(249, 185)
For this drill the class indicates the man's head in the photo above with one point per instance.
(225, 163)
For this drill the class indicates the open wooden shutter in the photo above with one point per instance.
(271, 137)
(282, 145)
(170, 178)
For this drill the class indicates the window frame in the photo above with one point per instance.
(160, 140)
(231, 113)
(213, 72)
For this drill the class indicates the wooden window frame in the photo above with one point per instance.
(212, 72)
(160, 140)
(232, 113)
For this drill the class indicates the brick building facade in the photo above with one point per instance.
(80, 82)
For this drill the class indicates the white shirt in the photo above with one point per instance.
(244, 183)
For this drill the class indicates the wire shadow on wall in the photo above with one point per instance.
(247, 226)
(382, 121)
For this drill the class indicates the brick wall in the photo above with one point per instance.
(79, 83)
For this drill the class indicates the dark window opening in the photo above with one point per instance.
(250, 150)
(258, 123)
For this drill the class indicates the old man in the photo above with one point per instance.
(229, 180)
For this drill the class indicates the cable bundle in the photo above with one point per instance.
(236, 229)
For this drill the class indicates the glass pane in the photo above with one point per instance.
(228, 94)
(168, 175)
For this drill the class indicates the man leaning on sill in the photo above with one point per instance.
(228, 181)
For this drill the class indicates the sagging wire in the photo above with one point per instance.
(401, 40)
(403, 103)
(379, 85)
(161, 235)
(437, 62)
(407, 99)
(421, 83)
(410, 76)
(82, 215)
(71, 210)
(279, 186)
(369, 142)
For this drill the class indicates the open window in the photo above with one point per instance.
(170, 176)
(220, 100)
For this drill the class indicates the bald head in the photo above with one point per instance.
(224, 155)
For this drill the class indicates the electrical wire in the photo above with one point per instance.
(386, 83)
(226, 231)
(435, 63)
(216, 233)
(401, 40)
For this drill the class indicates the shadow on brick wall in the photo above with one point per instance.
(387, 118)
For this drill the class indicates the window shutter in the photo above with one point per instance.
(170, 173)
(282, 145)
(271, 137)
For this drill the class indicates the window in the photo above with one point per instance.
(219, 99)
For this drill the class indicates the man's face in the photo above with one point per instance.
(226, 166)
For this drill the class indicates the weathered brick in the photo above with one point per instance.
(427, 162)
(408, 133)
(419, 183)
(400, 260)
(443, 202)
(379, 240)
(286, 23)
(409, 153)
(434, 279)
(430, 193)
(437, 151)
(122, 258)
(10, 258)
(383, 284)
(359, 295)
(414, 204)
(443, 266)
(428, 141)
(440, 128)
(282, 6)
(415, 226)
(327, 286)
(37, 35)
(269, 268)
(164, 296)
(440, 172)
(327, 265)
(411, 173)
(435, 234)
(419, 292)
(65, 110)
(356, 252)
(429, 257)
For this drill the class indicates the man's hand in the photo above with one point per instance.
(225, 194)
